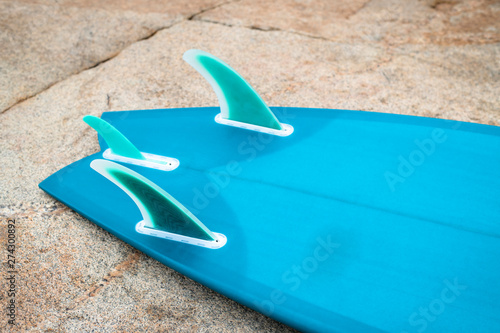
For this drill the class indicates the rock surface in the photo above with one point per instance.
(388, 21)
(387, 56)
(44, 42)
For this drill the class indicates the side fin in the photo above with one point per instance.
(160, 210)
(122, 150)
(239, 102)
(116, 141)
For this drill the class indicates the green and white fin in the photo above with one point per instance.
(122, 150)
(240, 104)
(163, 216)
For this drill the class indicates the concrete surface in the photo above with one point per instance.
(61, 60)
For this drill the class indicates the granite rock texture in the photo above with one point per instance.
(392, 22)
(45, 41)
(427, 58)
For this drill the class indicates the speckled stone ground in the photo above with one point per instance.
(61, 60)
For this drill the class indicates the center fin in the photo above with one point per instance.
(159, 209)
(238, 101)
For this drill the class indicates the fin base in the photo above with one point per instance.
(286, 131)
(159, 162)
(220, 241)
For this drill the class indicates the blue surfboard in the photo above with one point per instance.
(325, 220)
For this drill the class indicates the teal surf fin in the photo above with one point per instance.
(240, 105)
(163, 216)
(116, 141)
(122, 150)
